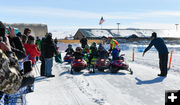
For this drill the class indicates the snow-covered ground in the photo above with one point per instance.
(144, 87)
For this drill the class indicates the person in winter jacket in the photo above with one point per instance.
(86, 50)
(58, 58)
(83, 42)
(102, 53)
(16, 44)
(27, 31)
(162, 49)
(113, 43)
(24, 39)
(56, 41)
(38, 42)
(42, 58)
(11, 80)
(93, 51)
(49, 52)
(78, 53)
(31, 49)
(115, 53)
(2, 30)
(69, 50)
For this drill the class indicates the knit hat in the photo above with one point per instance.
(30, 37)
(154, 35)
(49, 36)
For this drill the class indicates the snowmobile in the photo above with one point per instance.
(68, 58)
(119, 64)
(101, 64)
(79, 64)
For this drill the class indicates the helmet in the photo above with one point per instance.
(69, 46)
(93, 44)
(100, 46)
(110, 37)
(78, 49)
(86, 47)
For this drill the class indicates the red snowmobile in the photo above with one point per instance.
(68, 58)
(77, 65)
(102, 64)
(119, 64)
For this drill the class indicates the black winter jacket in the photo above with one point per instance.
(69, 51)
(49, 48)
(17, 47)
(83, 42)
(78, 55)
(103, 54)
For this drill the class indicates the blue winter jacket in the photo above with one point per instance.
(159, 45)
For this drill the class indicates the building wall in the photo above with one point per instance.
(37, 29)
(78, 35)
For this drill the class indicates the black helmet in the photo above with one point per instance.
(69, 46)
(93, 44)
(86, 46)
(100, 47)
(78, 49)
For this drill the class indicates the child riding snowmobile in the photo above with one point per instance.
(78, 63)
(118, 62)
(68, 57)
(102, 62)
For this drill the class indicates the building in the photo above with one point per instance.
(124, 33)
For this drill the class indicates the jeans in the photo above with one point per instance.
(48, 66)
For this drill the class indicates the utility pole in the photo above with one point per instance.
(118, 27)
(176, 27)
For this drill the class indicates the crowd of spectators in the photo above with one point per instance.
(18, 56)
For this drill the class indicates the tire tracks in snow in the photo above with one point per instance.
(85, 87)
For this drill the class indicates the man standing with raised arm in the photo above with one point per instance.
(159, 44)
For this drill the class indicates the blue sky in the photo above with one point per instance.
(74, 14)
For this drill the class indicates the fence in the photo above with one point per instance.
(78, 41)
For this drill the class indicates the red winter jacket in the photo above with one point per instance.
(32, 51)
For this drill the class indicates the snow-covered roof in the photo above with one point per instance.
(129, 32)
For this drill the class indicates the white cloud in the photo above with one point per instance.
(65, 13)
(58, 13)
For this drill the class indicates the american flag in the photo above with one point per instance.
(101, 21)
